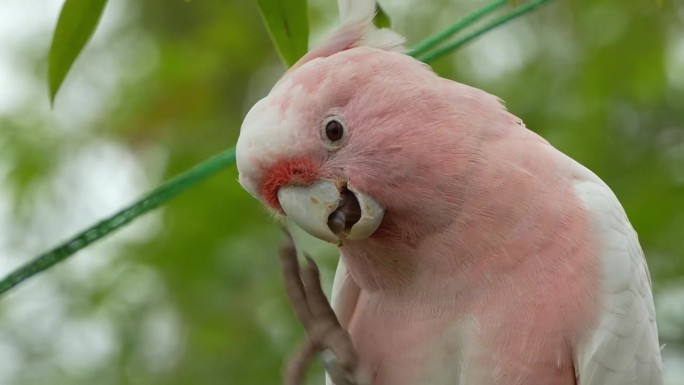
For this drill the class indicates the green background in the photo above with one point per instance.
(191, 294)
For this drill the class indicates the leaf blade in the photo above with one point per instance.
(381, 19)
(75, 26)
(287, 22)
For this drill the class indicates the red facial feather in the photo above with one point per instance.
(295, 171)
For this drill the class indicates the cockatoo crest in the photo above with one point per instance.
(357, 29)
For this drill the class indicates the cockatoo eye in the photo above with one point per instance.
(334, 130)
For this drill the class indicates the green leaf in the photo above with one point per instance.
(288, 24)
(381, 19)
(75, 26)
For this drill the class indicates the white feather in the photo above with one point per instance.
(344, 297)
(359, 14)
(356, 30)
(356, 11)
(623, 349)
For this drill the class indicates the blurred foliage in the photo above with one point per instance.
(67, 45)
(193, 295)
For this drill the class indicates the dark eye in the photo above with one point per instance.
(334, 130)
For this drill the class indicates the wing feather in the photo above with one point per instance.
(344, 297)
(623, 349)
(345, 294)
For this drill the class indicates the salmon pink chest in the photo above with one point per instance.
(404, 347)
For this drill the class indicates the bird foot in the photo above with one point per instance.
(324, 332)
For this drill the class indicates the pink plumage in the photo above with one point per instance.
(498, 259)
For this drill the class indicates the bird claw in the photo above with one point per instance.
(337, 373)
(324, 332)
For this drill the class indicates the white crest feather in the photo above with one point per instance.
(357, 29)
(358, 15)
(356, 11)
(383, 38)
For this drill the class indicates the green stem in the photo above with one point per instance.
(152, 200)
(517, 12)
(439, 37)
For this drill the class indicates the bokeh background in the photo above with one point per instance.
(191, 294)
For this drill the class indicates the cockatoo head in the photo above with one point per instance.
(339, 144)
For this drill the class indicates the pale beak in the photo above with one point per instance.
(327, 213)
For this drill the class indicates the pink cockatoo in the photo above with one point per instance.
(472, 251)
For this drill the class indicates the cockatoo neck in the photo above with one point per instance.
(503, 229)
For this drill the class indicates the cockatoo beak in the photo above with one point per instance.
(329, 213)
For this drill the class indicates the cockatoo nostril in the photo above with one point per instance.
(347, 214)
